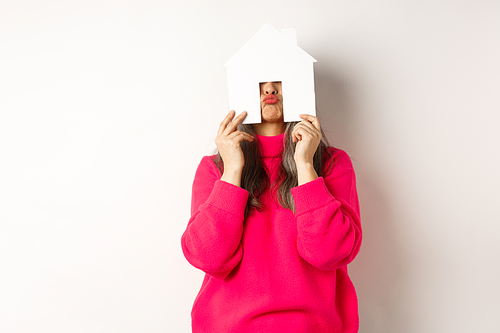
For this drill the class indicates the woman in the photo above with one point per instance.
(275, 221)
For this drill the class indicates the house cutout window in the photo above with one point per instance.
(275, 88)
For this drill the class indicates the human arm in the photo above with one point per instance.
(326, 208)
(212, 240)
(307, 134)
(327, 214)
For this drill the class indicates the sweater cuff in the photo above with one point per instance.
(229, 197)
(311, 195)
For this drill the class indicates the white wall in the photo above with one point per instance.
(107, 108)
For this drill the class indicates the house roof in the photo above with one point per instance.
(270, 43)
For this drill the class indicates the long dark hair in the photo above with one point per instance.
(254, 177)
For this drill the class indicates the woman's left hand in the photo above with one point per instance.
(307, 134)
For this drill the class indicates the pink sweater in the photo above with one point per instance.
(275, 271)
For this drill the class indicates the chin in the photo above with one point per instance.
(272, 113)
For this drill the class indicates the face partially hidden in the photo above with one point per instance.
(271, 102)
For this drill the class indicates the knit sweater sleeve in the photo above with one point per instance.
(327, 213)
(212, 239)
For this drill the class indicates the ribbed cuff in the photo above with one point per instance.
(229, 197)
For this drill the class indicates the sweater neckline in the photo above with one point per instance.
(270, 146)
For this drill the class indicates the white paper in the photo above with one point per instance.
(271, 55)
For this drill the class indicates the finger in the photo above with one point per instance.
(224, 122)
(304, 132)
(304, 128)
(240, 136)
(294, 133)
(231, 127)
(235, 133)
(316, 133)
(308, 124)
(297, 133)
(314, 120)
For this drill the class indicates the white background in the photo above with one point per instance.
(107, 107)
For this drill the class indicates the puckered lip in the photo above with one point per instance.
(271, 99)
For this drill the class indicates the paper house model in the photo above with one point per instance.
(271, 55)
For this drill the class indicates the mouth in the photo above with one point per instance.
(271, 99)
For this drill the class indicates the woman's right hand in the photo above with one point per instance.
(228, 143)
